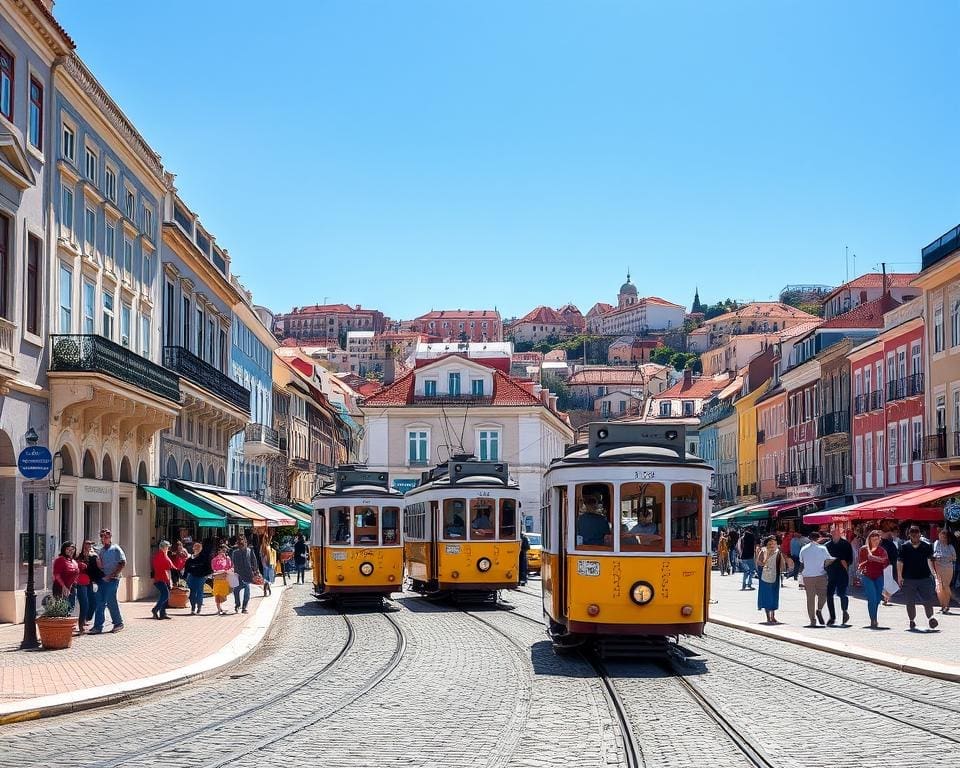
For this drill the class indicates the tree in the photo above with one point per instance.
(661, 355)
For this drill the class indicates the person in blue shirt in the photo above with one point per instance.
(111, 560)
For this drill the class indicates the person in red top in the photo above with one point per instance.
(84, 586)
(162, 566)
(178, 556)
(871, 561)
(65, 572)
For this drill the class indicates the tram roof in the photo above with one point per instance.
(615, 443)
(466, 472)
(357, 480)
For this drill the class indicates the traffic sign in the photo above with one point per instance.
(35, 462)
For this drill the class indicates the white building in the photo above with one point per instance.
(634, 314)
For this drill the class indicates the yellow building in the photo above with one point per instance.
(746, 408)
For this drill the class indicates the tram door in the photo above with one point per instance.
(433, 571)
(560, 579)
(322, 564)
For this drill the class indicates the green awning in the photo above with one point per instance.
(738, 515)
(204, 518)
(305, 508)
(303, 519)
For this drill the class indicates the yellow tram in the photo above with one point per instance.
(356, 547)
(461, 529)
(626, 538)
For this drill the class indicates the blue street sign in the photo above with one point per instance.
(35, 462)
(404, 485)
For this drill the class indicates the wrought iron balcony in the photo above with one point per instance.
(88, 353)
(302, 465)
(260, 440)
(834, 423)
(935, 446)
(192, 368)
(806, 476)
(761, 436)
(906, 387)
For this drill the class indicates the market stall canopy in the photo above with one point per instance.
(232, 509)
(918, 504)
(303, 519)
(204, 518)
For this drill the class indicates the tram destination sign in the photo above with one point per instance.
(35, 462)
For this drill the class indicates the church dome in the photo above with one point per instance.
(628, 288)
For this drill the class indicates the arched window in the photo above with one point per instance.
(187, 471)
(200, 473)
(172, 472)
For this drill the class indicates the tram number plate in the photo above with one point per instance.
(453, 549)
(339, 555)
(588, 567)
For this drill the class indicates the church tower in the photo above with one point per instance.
(628, 293)
(697, 306)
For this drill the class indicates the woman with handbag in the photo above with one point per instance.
(222, 567)
(84, 586)
(944, 561)
(871, 561)
(162, 566)
(245, 567)
(65, 572)
(268, 556)
(771, 563)
(197, 568)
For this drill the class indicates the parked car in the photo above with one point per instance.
(534, 554)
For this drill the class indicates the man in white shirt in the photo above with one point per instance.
(815, 558)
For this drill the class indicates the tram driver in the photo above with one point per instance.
(593, 520)
(455, 527)
(341, 531)
(482, 524)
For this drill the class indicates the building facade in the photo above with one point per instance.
(771, 442)
(477, 325)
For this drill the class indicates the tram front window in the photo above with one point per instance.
(686, 501)
(454, 519)
(593, 530)
(340, 525)
(391, 521)
(365, 525)
(641, 517)
(481, 519)
(508, 519)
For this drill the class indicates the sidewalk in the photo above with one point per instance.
(922, 651)
(147, 654)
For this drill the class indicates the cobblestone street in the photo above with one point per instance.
(424, 684)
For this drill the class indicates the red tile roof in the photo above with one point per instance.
(869, 315)
(317, 309)
(600, 308)
(506, 391)
(398, 393)
(616, 375)
(544, 316)
(48, 15)
(763, 310)
(696, 388)
(457, 314)
(874, 280)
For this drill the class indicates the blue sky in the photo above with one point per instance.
(420, 154)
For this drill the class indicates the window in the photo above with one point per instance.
(89, 229)
(892, 449)
(955, 324)
(688, 407)
(66, 300)
(605, 408)
(917, 453)
(90, 164)
(68, 143)
(453, 384)
(476, 387)
(146, 275)
(489, 442)
(880, 458)
(366, 525)
(199, 340)
(6, 83)
(89, 307)
(454, 519)
(867, 381)
(66, 209)
(169, 299)
(665, 407)
(148, 220)
(938, 329)
(130, 205)
(125, 313)
(145, 336)
(223, 349)
(110, 245)
(211, 342)
(686, 505)
(34, 248)
(107, 315)
(430, 387)
(483, 516)
(642, 515)
(868, 458)
(127, 256)
(916, 361)
(110, 183)
(904, 443)
(35, 127)
(623, 406)
(5, 266)
(418, 448)
(508, 519)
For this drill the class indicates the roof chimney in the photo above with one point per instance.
(687, 377)
(886, 289)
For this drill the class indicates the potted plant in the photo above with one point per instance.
(56, 625)
(178, 595)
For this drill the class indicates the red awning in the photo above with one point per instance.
(916, 504)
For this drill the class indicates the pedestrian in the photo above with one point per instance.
(723, 553)
(917, 577)
(84, 586)
(197, 568)
(111, 561)
(733, 537)
(268, 559)
(945, 560)
(872, 560)
(245, 566)
(65, 573)
(178, 556)
(222, 567)
(162, 567)
(747, 545)
(892, 548)
(300, 557)
(772, 563)
(838, 576)
(815, 557)
(797, 543)
(524, 549)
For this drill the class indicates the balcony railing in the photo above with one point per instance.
(717, 413)
(83, 353)
(869, 401)
(906, 387)
(452, 399)
(7, 352)
(191, 367)
(261, 433)
(940, 248)
(834, 423)
(303, 465)
(935, 446)
(761, 436)
(807, 476)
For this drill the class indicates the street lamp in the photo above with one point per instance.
(30, 596)
(55, 476)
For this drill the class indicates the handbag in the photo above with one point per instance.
(233, 580)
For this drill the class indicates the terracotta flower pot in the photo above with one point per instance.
(56, 633)
(178, 597)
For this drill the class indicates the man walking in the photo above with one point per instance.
(733, 537)
(838, 578)
(917, 576)
(797, 542)
(889, 545)
(815, 557)
(748, 546)
(524, 548)
(111, 561)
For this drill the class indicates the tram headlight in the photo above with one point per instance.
(366, 568)
(484, 564)
(642, 592)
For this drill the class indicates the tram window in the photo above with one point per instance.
(482, 516)
(593, 531)
(686, 503)
(641, 517)
(508, 519)
(340, 525)
(454, 519)
(365, 525)
(390, 518)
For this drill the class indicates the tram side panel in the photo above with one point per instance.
(462, 564)
(344, 568)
